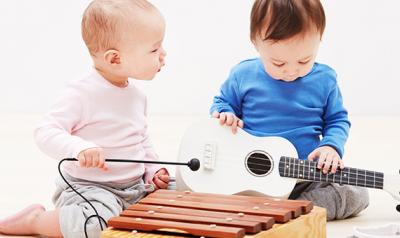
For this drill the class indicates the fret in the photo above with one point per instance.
(320, 174)
(337, 178)
(344, 176)
(314, 169)
(287, 160)
(306, 169)
(327, 177)
(350, 174)
(379, 180)
(356, 176)
(294, 167)
(365, 178)
(370, 181)
(298, 169)
(374, 179)
(361, 177)
(301, 169)
(330, 177)
(284, 166)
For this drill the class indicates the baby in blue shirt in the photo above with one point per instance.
(286, 93)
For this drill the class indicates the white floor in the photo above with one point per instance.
(26, 175)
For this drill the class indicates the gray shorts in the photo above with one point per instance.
(109, 199)
(340, 201)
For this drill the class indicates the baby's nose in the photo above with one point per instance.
(163, 52)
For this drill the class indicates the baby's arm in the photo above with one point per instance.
(154, 173)
(337, 124)
(227, 106)
(54, 134)
(335, 133)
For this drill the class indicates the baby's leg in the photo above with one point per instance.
(73, 218)
(74, 210)
(32, 220)
(108, 199)
(340, 201)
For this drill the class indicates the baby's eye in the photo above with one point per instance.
(154, 51)
(304, 62)
(278, 64)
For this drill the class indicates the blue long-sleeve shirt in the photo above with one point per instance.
(301, 111)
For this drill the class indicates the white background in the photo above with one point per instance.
(41, 50)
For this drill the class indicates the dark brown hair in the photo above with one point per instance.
(282, 19)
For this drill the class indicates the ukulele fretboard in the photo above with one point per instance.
(307, 170)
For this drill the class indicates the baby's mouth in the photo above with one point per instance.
(160, 68)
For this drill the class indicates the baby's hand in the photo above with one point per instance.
(229, 119)
(327, 157)
(160, 179)
(93, 157)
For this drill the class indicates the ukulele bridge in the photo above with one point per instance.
(210, 149)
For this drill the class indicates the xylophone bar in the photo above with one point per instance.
(306, 206)
(295, 210)
(194, 229)
(249, 226)
(280, 215)
(266, 222)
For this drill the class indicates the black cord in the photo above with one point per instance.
(194, 164)
(87, 219)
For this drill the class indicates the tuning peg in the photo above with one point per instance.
(398, 208)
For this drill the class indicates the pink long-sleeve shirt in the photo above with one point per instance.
(92, 112)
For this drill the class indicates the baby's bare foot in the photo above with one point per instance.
(22, 222)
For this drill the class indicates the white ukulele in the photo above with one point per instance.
(238, 163)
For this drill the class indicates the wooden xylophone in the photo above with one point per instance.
(215, 215)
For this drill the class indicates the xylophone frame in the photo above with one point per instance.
(305, 222)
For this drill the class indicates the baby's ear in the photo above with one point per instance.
(112, 57)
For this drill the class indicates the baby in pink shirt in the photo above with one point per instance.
(102, 115)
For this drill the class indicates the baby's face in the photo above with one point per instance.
(289, 59)
(142, 54)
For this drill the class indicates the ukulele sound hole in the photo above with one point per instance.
(259, 163)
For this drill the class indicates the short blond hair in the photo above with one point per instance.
(102, 19)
